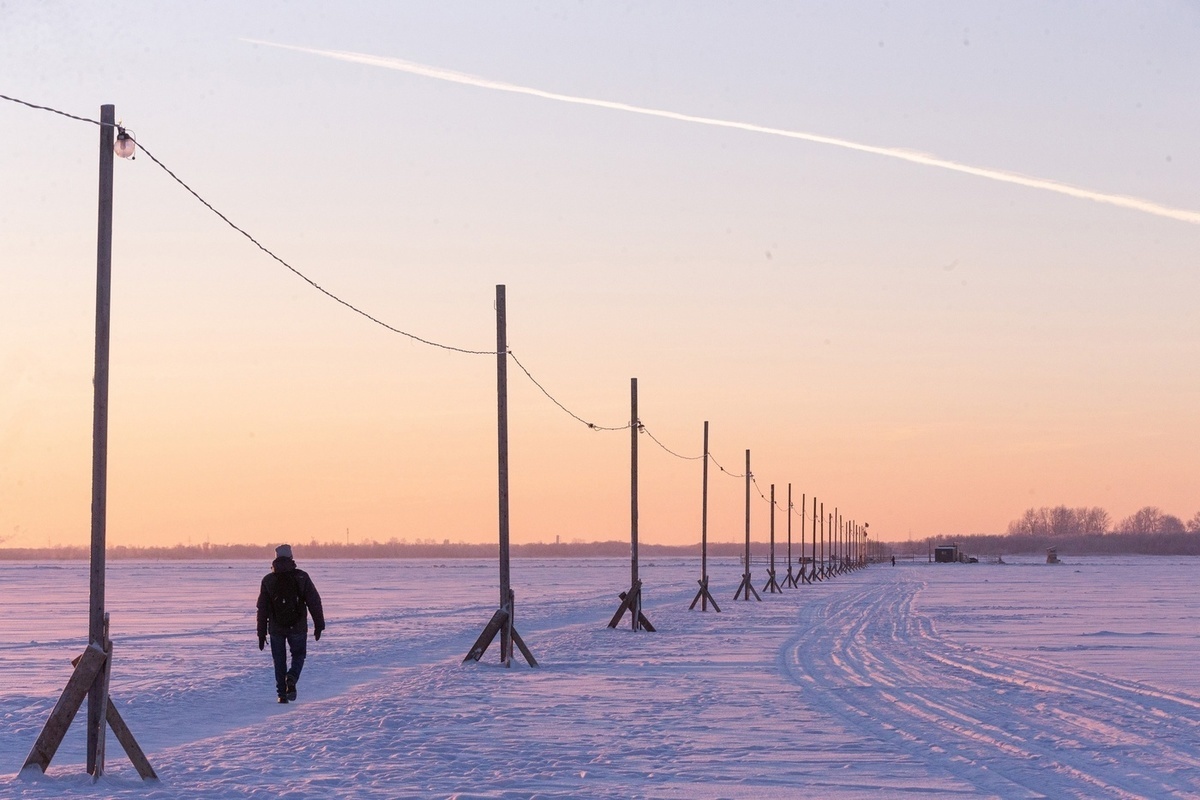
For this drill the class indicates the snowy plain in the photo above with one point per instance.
(1015, 680)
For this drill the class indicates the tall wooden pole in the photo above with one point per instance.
(747, 585)
(748, 479)
(791, 577)
(803, 514)
(632, 600)
(502, 438)
(704, 526)
(822, 538)
(633, 488)
(96, 695)
(835, 539)
(502, 443)
(502, 622)
(772, 550)
(814, 539)
(703, 596)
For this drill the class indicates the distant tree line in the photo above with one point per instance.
(425, 548)
(1151, 544)
(1061, 521)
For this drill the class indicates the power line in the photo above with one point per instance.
(51, 110)
(300, 274)
(643, 429)
(347, 304)
(257, 243)
(569, 412)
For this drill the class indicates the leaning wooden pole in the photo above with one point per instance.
(502, 622)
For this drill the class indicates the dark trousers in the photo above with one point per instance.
(281, 642)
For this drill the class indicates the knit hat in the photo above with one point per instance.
(283, 551)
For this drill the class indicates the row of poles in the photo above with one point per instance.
(837, 545)
(91, 677)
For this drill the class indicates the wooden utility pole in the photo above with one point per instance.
(92, 670)
(631, 600)
(502, 621)
(703, 596)
(804, 575)
(823, 571)
(772, 585)
(791, 579)
(746, 587)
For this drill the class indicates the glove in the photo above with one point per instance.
(262, 642)
(317, 634)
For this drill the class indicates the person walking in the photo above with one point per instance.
(286, 598)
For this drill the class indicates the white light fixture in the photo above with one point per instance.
(124, 146)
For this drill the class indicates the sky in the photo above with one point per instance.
(835, 231)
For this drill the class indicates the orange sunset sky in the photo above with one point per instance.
(930, 349)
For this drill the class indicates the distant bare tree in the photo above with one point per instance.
(1149, 519)
(1093, 520)
(1060, 521)
(1171, 524)
(1193, 525)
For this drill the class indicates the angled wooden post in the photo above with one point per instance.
(772, 585)
(93, 666)
(746, 587)
(632, 600)
(502, 620)
(703, 596)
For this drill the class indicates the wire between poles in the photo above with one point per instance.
(591, 425)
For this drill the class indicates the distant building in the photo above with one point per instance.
(945, 554)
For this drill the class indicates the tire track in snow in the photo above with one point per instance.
(1010, 725)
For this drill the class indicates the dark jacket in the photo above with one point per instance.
(308, 593)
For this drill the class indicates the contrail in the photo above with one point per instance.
(424, 70)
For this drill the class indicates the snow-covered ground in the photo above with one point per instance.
(985, 680)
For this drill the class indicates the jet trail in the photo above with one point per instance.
(424, 70)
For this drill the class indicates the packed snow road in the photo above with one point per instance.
(1009, 725)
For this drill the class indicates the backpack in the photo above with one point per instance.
(287, 606)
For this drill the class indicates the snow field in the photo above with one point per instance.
(1018, 680)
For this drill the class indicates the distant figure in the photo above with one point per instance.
(285, 599)
(893, 561)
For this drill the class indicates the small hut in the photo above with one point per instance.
(945, 554)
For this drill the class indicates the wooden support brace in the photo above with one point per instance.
(793, 580)
(704, 593)
(489, 632)
(627, 599)
(632, 601)
(772, 585)
(516, 637)
(746, 587)
(87, 667)
(93, 663)
(125, 737)
(105, 703)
